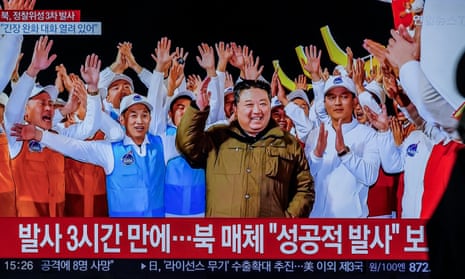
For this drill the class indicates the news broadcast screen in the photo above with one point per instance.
(384, 245)
(200, 247)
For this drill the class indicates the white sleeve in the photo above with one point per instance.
(156, 96)
(318, 101)
(89, 125)
(111, 128)
(315, 163)
(216, 100)
(221, 80)
(145, 76)
(302, 123)
(365, 168)
(95, 152)
(105, 78)
(392, 160)
(430, 104)
(15, 109)
(366, 99)
(10, 47)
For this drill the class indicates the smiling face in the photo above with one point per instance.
(40, 111)
(253, 110)
(117, 91)
(279, 115)
(136, 120)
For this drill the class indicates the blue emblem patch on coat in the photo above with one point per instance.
(412, 149)
(34, 146)
(128, 158)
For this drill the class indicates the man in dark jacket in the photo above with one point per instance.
(253, 168)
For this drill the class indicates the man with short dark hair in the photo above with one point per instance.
(253, 168)
(343, 155)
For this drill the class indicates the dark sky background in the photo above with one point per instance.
(271, 30)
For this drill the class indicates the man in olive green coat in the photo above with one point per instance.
(253, 168)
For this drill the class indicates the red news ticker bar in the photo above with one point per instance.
(40, 15)
(214, 238)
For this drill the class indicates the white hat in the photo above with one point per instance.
(228, 90)
(275, 102)
(104, 91)
(376, 88)
(122, 77)
(298, 93)
(339, 81)
(179, 94)
(3, 99)
(133, 99)
(50, 89)
(342, 70)
(60, 102)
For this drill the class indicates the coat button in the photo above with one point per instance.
(247, 196)
(248, 170)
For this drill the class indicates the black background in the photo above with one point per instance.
(271, 29)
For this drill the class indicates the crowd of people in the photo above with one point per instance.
(354, 144)
(346, 143)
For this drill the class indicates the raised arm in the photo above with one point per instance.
(10, 45)
(41, 60)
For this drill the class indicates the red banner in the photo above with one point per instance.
(212, 238)
(40, 15)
